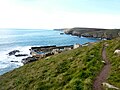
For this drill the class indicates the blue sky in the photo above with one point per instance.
(92, 6)
(59, 13)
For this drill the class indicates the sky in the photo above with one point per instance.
(50, 14)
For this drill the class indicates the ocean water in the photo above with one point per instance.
(23, 40)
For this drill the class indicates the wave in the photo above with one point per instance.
(5, 59)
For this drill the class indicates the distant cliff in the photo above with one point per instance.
(58, 29)
(94, 32)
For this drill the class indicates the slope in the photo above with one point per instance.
(70, 70)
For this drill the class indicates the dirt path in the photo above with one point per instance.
(104, 72)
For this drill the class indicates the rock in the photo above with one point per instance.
(13, 61)
(20, 55)
(87, 35)
(70, 58)
(47, 58)
(61, 33)
(92, 56)
(104, 62)
(117, 52)
(29, 59)
(109, 86)
(13, 52)
(76, 46)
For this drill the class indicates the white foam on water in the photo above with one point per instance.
(3, 66)
(5, 59)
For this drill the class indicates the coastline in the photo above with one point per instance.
(101, 33)
(81, 61)
(24, 40)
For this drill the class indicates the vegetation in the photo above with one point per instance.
(114, 77)
(70, 70)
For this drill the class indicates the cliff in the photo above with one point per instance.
(94, 32)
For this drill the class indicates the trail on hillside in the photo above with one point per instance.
(104, 72)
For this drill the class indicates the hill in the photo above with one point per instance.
(70, 70)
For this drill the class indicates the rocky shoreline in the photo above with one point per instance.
(45, 51)
(37, 53)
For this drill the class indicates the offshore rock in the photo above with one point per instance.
(13, 61)
(20, 55)
(13, 52)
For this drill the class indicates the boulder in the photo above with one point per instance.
(117, 52)
(13, 52)
(13, 61)
(61, 33)
(109, 86)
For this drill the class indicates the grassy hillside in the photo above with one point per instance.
(114, 77)
(70, 70)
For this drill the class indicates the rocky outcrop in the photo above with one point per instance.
(45, 51)
(14, 61)
(13, 52)
(20, 55)
(29, 59)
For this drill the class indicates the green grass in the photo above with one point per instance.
(70, 70)
(114, 77)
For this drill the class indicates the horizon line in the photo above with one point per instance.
(54, 28)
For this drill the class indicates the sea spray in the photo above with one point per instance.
(8, 63)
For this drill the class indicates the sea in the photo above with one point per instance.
(24, 39)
